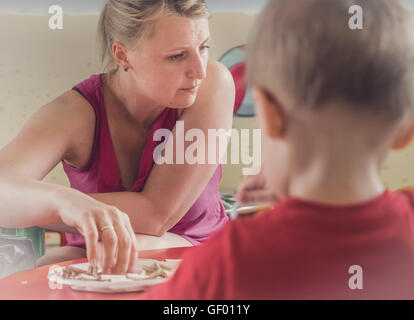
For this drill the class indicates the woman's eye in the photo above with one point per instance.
(179, 56)
(176, 57)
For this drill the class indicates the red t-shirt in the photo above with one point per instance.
(304, 250)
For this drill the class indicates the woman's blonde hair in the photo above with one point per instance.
(128, 21)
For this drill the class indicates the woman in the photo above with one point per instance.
(102, 131)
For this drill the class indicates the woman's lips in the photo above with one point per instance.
(191, 90)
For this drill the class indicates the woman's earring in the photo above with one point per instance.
(125, 67)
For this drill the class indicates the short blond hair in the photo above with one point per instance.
(307, 49)
(128, 21)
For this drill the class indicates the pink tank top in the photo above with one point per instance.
(101, 174)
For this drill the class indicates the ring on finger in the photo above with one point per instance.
(107, 227)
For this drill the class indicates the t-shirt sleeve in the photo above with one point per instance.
(409, 193)
(201, 275)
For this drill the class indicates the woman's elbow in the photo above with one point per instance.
(166, 223)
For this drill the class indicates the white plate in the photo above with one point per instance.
(118, 283)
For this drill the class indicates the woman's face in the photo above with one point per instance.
(171, 61)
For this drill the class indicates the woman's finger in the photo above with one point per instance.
(251, 183)
(258, 196)
(110, 242)
(124, 248)
(90, 233)
(134, 248)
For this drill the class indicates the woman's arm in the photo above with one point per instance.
(28, 158)
(172, 189)
(26, 203)
(43, 142)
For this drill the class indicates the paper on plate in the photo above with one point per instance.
(137, 281)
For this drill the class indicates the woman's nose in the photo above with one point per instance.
(198, 68)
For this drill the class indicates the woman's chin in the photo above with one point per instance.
(183, 102)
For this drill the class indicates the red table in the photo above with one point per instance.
(34, 285)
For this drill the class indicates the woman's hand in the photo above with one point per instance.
(99, 222)
(255, 189)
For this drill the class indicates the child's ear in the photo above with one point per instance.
(272, 114)
(403, 138)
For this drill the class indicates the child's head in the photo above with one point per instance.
(331, 97)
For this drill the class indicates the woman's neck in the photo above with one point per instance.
(134, 107)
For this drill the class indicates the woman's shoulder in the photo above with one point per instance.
(77, 114)
(217, 87)
(218, 82)
(74, 104)
(93, 82)
(219, 74)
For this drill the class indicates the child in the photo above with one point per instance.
(332, 101)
